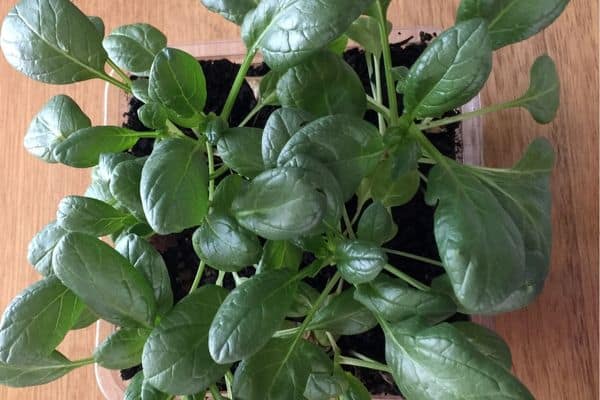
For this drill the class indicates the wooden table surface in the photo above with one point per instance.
(554, 340)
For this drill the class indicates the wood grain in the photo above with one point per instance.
(554, 341)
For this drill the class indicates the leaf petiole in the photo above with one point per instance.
(465, 116)
(215, 393)
(237, 84)
(406, 278)
(119, 72)
(378, 107)
(198, 277)
(363, 364)
(414, 257)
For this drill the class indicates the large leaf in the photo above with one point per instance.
(493, 229)
(376, 225)
(124, 186)
(35, 41)
(286, 36)
(510, 21)
(278, 254)
(104, 280)
(176, 358)
(450, 72)
(487, 342)
(122, 349)
(38, 371)
(91, 216)
(280, 127)
(240, 149)
(133, 47)
(39, 252)
(257, 305)
(543, 96)
(233, 10)
(37, 320)
(174, 186)
(348, 146)
(323, 84)
(359, 261)
(343, 315)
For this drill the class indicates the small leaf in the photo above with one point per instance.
(280, 127)
(359, 261)
(233, 10)
(122, 349)
(376, 225)
(153, 116)
(487, 342)
(324, 386)
(139, 89)
(91, 216)
(356, 389)
(543, 96)
(226, 191)
(278, 254)
(267, 88)
(134, 389)
(343, 316)
(240, 149)
(394, 191)
(304, 301)
(365, 32)
(400, 75)
(39, 371)
(125, 186)
(39, 252)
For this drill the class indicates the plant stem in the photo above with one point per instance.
(414, 257)
(378, 93)
(381, 110)
(220, 278)
(429, 148)
(119, 72)
(83, 362)
(174, 130)
(387, 62)
(198, 277)
(236, 278)
(469, 115)
(363, 364)
(220, 171)
(228, 384)
(214, 391)
(423, 177)
(107, 78)
(211, 170)
(406, 278)
(348, 224)
(259, 106)
(237, 84)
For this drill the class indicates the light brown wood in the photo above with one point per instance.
(554, 341)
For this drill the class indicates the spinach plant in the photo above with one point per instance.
(268, 197)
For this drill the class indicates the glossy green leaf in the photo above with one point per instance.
(356, 389)
(376, 225)
(268, 28)
(543, 96)
(223, 244)
(98, 23)
(450, 72)
(512, 21)
(102, 174)
(233, 10)
(226, 192)
(212, 128)
(134, 388)
(394, 191)
(323, 84)
(280, 204)
(359, 261)
(37, 320)
(278, 254)
(125, 186)
(153, 115)
(122, 349)
(139, 88)
(349, 147)
(35, 42)
(174, 186)
(279, 371)
(280, 127)
(400, 75)
(365, 32)
(91, 216)
(39, 252)
(343, 315)
(146, 259)
(304, 300)
(240, 149)
(487, 342)
(133, 47)
(493, 229)
(105, 281)
(175, 357)
(394, 301)
(59, 117)
(39, 371)
(324, 386)
(177, 82)
(257, 305)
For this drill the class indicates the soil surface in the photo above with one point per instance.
(415, 219)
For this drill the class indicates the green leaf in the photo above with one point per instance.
(39, 371)
(104, 280)
(139, 89)
(174, 186)
(91, 216)
(343, 315)
(304, 301)
(339, 45)
(400, 75)
(279, 254)
(512, 21)
(133, 47)
(394, 301)
(83, 147)
(257, 305)
(280, 127)
(177, 82)
(35, 42)
(37, 320)
(39, 252)
(348, 146)
(322, 85)
(542, 99)
(223, 244)
(125, 186)
(98, 23)
(134, 389)
(359, 261)
(376, 225)
(487, 342)
(233, 10)
(365, 32)
(176, 358)
(450, 72)
(86, 318)
(240, 149)
(226, 192)
(122, 349)
(280, 204)
(493, 229)
(267, 88)
(449, 367)
(146, 259)
(102, 175)
(153, 116)
(356, 390)
(268, 28)
(279, 371)
(324, 386)
(59, 117)
(394, 191)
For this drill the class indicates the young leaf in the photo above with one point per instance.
(322, 85)
(125, 186)
(133, 47)
(278, 254)
(390, 190)
(102, 174)
(356, 389)
(359, 261)
(280, 127)
(38, 371)
(139, 89)
(512, 21)
(304, 301)
(153, 116)
(512, 206)
(240, 149)
(343, 316)
(376, 225)
(257, 305)
(267, 27)
(146, 259)
(543, 96)
(223, 244)
(104, 280)
(267, 94)
(175, 357)
(487, 342)
(174, 186)
(122, 349)
(365, 32)
(134, 389)
(324, 386)
(35, 42)
(450, 72)
(91, 216)
(98, 23)
(59, 117)
(400, 74)
(37, 320)
(39, 252)
(226, 192)
(233, 10)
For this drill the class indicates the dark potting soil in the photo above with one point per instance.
(414, 219)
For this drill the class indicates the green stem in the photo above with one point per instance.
(469, 115)
(119, 72)
(237, 84)
(229, 384)
(348, 224)
(429, 148)
(387, 61)
(259, 106)
(423, 177)
(83, 362)
(236, 278)
(414, 257)
(214, 391)
(363, 364)
(220, 171)
(406, 278)
(107, 78)
(198, 277)
(211, 170)
(381, 110)
(174, 130)
(312, 269)
(378, 94)
(220, 278)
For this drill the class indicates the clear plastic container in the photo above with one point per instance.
(116, 104)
